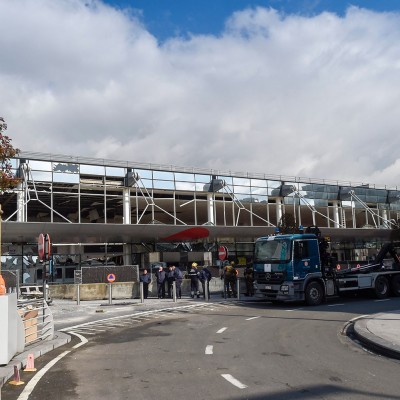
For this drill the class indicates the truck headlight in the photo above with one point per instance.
(285, 288)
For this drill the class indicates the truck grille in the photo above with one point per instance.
(270, 277)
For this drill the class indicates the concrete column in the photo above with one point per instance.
(336, 214)
(210, 208)
(21, 213)
(278, 210)
(127, 205)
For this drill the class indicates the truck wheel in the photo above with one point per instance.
(314, 294)
(381, 288)
(395, 285)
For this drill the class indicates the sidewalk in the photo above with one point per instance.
(380, 333)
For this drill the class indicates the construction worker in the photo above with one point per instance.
(194, 281)
(229, 276)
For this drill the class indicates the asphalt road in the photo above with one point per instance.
(245, 351)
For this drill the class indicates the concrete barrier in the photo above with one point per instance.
(120, 290)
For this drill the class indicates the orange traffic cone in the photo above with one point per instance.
(3, 289)
(30, 364)
(17, 380)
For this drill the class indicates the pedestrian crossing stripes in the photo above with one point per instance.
(106, 324)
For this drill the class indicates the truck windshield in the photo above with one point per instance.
(272, 250)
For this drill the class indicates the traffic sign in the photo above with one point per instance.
(77, 277)
(223, 253)
(111, 278)
(41, 249)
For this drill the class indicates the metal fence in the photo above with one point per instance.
(125, 273)
(37, 319)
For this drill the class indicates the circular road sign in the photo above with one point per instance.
(41, 249)
(222, 253)
(111, 278)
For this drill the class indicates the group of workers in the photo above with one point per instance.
(166, 278)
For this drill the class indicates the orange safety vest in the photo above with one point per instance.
(2, 286)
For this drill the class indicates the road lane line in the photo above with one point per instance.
(377, 301)
(222, 330)
(82, 338)
(249, 319)
(209, 349)
(35, 380)
(335, 305)
(234, 381)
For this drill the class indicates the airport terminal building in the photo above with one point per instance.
(125, 213)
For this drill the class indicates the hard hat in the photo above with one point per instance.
(232, 262)
(194, 264)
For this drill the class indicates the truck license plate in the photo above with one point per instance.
(268, 287)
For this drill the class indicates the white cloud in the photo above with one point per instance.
(300, 96)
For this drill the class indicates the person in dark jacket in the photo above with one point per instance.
(146, 279)
(178, 279)
(194, 281)
(160, 279)
(205, 278)
(170, 278)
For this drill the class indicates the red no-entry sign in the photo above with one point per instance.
(222, 253)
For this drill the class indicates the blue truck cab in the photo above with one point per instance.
(288, 267)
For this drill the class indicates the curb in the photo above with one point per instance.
(373, 342)
(20, 360)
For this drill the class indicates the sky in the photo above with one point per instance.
(299, 88)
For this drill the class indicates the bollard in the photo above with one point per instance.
(206, 291)
(174, 291)
(238, 288)
(110, 293)
(141, 292)
(78, 294)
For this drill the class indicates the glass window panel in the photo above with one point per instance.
(184, 177)
(199, 187)
(189, 186)
(163, 175)
(274, 184)
(92, 169)
(115, 171)
(241, 189)
(259, 183)
(163, 184)
(148, 183)
(259, 191)
(321, 203)
(40, 176)
(203, 178)
(40, 165)
(241, 181)
(144, 173)
(66, 178)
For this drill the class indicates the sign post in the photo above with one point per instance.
(110, 278)
(78, 281)
(44, 253)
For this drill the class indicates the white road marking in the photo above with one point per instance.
(83, 340)
(249, 319)
(234, 381)
(295, 309)
(34, 381)
(335, 305)
(222, 330)
(377, 301)
(209, 349)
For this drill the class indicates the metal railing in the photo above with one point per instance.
(37, 319)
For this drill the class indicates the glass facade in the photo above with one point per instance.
(72, 190)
